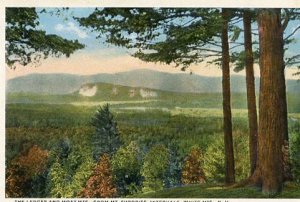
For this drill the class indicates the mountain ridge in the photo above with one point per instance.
(174, 82)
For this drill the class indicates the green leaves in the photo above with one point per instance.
(179, 36)
(154, 168)
(67, 176)
(26, 43)
(106, 138)
(126, 167)
(236, 31)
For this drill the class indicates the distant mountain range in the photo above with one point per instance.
(68, 83)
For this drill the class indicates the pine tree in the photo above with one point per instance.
(26, 43)
(179, 37)
(106, 137)
(173, 174)
(269, 170)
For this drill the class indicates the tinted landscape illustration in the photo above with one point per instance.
(152, 103)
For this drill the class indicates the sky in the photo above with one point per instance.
(99, 57)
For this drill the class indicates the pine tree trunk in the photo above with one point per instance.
(250, 84)
(229, 155)
(269, 172)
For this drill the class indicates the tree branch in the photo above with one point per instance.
(297, 28)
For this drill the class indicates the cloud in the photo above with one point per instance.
(59, 27)
(71, 27)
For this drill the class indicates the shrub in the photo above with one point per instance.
(241, 155)
(192, 171)
(214, 159)
(100, 184)
(106, 138)
(295, 155)
(154, 168)
(126, 167)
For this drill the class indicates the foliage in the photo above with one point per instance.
(106, 137)
(15, 182)
(242, 156)
(24, 171)
(63, 149)
(154, 169)
(170, 35)
(26, 43)
(295, 154)
(192, 171)
(34, 162)
(173, 174)
(68, 175)
(126, 165)
(214, 164)
(57, 184)
(100, 184)
(288, 16)
(178, 129)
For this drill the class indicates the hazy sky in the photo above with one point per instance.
(98, 57)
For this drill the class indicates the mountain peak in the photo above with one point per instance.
(175, 82)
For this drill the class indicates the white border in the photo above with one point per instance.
(154, 3)
(113, 3)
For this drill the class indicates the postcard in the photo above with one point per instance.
(178, 102)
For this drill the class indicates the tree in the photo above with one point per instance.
(71, 169)
(214, 159)
(287, 15)
(192, 171)
(100, 184)
(106, 138)
(173, 174)
(25, 43)
(250, 85)
(246, 59)
(126, 166)
(229, 155)
(154, 168)
(269, 171)
(295, 154)
(23, 170)
(180, 36)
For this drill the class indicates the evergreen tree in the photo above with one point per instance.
(269, 170)
(227, 128)
(180, 36)
(26, 43)
(173, 174)
(106, 137)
